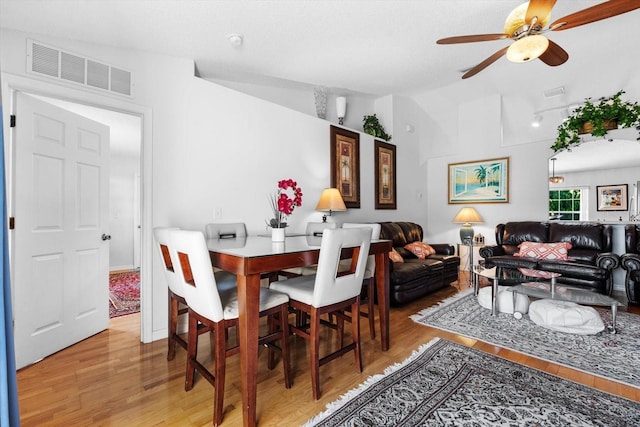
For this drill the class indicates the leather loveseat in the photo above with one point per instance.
(590, 260)
(631, 262)
(416, 277)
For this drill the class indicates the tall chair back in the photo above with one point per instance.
(225, 230)
(191, 261)
(375, 235)
(161, 236)
(331, 288)
(316, 228)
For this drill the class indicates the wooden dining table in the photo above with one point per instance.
(251, 257)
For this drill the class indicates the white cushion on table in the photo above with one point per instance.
(565, 316)
(504, 300)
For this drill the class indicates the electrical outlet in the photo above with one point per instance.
(217, 213)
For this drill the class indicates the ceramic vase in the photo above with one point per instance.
(277, 234)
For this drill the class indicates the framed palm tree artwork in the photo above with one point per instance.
(482, 181)
(345, 165)
(385, 175)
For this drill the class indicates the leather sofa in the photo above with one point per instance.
(590, 260)
(631, 262)
(416, 277)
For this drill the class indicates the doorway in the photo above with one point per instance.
(124, 202)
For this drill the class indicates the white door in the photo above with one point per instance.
(60, 199)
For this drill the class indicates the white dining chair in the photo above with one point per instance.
(368, 284)
(227, 230)
(313, 229)
(330, 292)
(177, 303)
(218, 311)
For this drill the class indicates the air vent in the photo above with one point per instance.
(70, 67)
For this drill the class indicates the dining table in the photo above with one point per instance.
(253, 257)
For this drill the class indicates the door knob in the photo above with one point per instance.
(106, 237)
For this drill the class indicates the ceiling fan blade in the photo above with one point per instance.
(540, 9)
(472, 38)
(595, 13)
(484, 64)
(554, 55)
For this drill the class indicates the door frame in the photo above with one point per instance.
(12, 83)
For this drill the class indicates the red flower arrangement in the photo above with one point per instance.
(282, 204)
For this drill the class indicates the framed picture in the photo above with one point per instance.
(612, 197)
(482, 181)
(345, 165)
(385, 175)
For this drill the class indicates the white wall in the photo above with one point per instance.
(216, 148)
(121, 200)
(593, 179)
(209, 147)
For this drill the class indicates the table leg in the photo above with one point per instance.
(494, 294)
(382, 287)
(614, 315)
(249, 316)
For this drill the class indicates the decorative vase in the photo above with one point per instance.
(277, 234)
(320, 98)
(587, 127)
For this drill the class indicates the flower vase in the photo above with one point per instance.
(277, 234)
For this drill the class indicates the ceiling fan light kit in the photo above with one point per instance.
(525, 25)
(527, 48)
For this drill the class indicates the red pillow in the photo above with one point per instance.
(551, 251)
(420, 249)
(395, 256)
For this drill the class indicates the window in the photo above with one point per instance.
(568, 204)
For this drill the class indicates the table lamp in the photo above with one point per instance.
(466, 217)
(330, 201)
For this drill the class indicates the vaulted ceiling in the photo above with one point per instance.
(369, 47)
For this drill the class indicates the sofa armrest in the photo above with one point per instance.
(608, 260)
(630, 262)
(490, 251)
(443, 248)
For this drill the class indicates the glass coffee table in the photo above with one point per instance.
(568, 293)
(509, 276)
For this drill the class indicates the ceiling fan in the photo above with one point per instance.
(526, 24)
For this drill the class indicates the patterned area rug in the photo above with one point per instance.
(124, 293)
(445, 383)
(611, 356)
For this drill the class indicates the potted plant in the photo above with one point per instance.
(373, 127)
(597, 119)
(282, 206)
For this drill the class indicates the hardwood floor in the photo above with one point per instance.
(113, 379)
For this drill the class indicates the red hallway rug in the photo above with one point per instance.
(124, 293)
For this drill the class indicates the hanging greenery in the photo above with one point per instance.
(597, 119)
(373, 127)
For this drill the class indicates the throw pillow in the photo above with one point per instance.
(420, 249)
(551, 251)
(395, 256)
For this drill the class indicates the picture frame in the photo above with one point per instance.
(613, 197)
(480, 181)
(385, 175)
(345, 165)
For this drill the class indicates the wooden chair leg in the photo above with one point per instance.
(271, 329)
(192, 351)
(286, 355)
(314, 347)
(355, 330)
(371, 308)
(340, 327)
(173, 327)
(220, 371)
